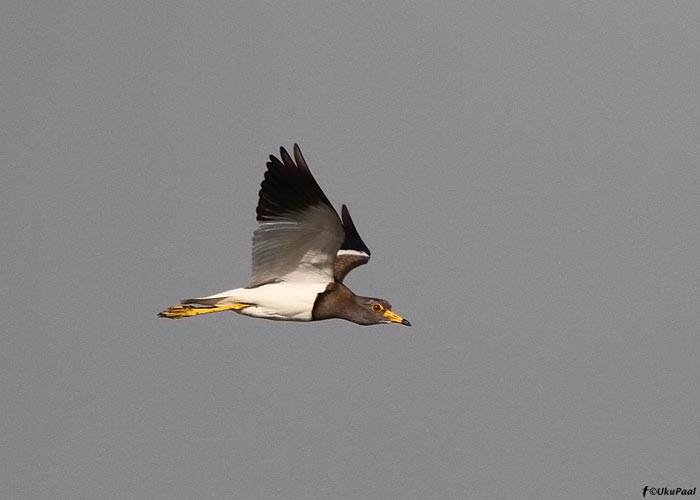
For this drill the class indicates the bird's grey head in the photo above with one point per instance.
(338, 301)
(371, 311)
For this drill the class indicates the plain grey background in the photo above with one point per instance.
(525, 173)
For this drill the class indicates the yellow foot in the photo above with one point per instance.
(185, 311)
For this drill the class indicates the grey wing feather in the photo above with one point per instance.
(300, 232)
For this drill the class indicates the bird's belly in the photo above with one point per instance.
(281, 301)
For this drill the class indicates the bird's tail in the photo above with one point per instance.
(195, 307)
(201, 301)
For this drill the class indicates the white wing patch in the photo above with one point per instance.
(298, 246)
(359, 253)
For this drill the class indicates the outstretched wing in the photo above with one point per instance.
(353, 252)
(299, 231)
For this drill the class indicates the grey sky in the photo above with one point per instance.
(525, 174)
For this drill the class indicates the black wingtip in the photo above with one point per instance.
(288, 186)
(301, 162)
(353, 241)
(286, 159)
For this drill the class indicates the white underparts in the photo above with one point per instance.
(282, 300)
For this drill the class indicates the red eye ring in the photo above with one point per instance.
(376, 307)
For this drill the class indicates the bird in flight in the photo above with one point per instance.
(302, 251)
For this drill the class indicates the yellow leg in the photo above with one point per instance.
(185, 311)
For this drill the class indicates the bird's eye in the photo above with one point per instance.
(376, 307)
